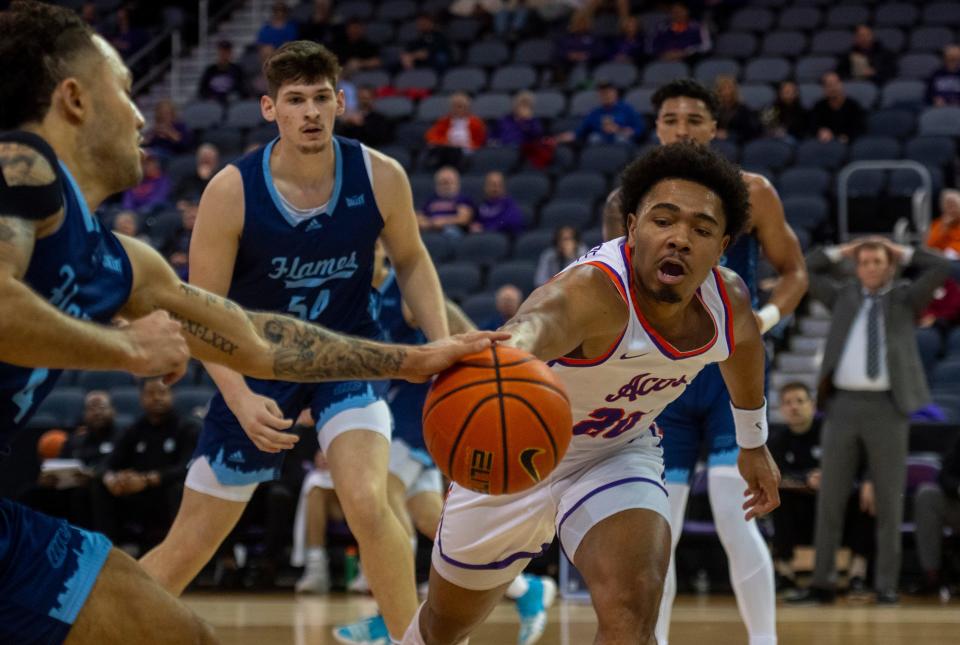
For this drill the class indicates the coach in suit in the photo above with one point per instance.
(870, 381)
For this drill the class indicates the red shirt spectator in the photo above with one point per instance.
(460, 128)
(944, 232)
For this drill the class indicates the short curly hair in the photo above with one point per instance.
(692, 162)
(38, 43)
(688, 88)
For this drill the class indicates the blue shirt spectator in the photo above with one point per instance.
(613, 121)
(681, 37)
(943, 88)
(498, 211)
(279, 29)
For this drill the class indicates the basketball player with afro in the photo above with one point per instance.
(626, 327)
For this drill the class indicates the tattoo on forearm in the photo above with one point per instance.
(307, 352)
(206, 335)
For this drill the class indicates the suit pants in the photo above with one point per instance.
(870, 420)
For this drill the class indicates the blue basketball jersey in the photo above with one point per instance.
(742, 256)
(82, 270)
(320, 268)
(406, 399)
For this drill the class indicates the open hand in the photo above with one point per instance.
(763, 481)
(426, 360)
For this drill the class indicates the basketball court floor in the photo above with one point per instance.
(282, 619)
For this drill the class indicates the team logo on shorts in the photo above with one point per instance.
(481, 463)
(526, 460)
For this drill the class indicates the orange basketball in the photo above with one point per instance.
(51, 443)
(498, 421)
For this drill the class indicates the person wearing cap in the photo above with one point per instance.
(613, 121)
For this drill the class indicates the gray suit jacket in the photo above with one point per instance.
(901, 306)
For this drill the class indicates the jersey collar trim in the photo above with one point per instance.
(275, 195)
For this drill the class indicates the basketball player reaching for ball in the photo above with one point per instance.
(627, 327)
(65, 93)
(415, 485)
(686, 111)
(291, 227)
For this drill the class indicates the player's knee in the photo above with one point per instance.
(365, 506)
(629, 604)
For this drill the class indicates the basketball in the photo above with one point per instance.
(51, 443)
(498, 421)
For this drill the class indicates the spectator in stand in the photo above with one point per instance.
(629, 46)
(90, 15)
(366, 124)
(144, 474)
(497, 211)
(937, 505)
(578, 46)
(223, 79)
(520, 127)
(511, 19)
(507, 301)
(91, 444)
(944, 232)
(126, 37)
(457, 134)
(429, 49)
(943, 312)
(868, 59)
(448, 209)
(154, 190)
(127, 223)
(566, 248)
(786, 118)
(279, 29)
(208, 163)
(613, 121)
(177, 249)
(734, 119)
(943, 88)
(682, 38)
(836, 116)
(321, 27)
(354, 49)
(795, 446)
(168, 135)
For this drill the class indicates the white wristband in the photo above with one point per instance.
(751, 426)
(769, 316)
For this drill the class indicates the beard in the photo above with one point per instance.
(667, 294)
(118, 167)
(311, 148)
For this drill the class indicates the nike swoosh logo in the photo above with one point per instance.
(526, 460)
(626, 357)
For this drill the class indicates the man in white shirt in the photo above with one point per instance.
(870, 381)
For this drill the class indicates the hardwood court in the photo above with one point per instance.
(284, 619)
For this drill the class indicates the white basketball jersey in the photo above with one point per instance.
(616, 397)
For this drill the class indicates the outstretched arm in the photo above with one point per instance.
(743, 375)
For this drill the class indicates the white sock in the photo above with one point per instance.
(751, 567)
(517, 588)
(316, 558)
(678, 494)
(412, 635)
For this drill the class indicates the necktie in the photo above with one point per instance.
(873, 338)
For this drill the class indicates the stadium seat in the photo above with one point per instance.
(736, 44)
(371, 78)
(201, 114)
(943, 121)
(891, 38)
(396, 10)
(592, 237)
(481, 248)
(126, 400)
(472, 186)
(904, 182)
(583, 102)
(756, 96)
(531, 244)
(513, 78)
(729, 149)
(464, 79)
(492, 106)
(190, 397)
(243, 114)
(810, 93)
(660, 73)
(707, 70)
(899, 14)
(459, 279)
(65, 404)
(947, 374)
(800, 18)
(639, 99)
(784, 43)
(919, 66)
(891, 122)
(484, 160)
(795, 182)
(479, 307)
(229, 141)
(488, 53)
(535, 52)
(416, 79)
(934, 151)
(531, 187)
(806, 212)
(432, 108)
(769, 153)
(585, 185)
(622, 75)
(395, 107)
(811, 69)
(942, 13)
(866, 183)
(439, 246)
(871, 147)
(380, 32)
(463, 30)
(407, 33)
(549, 104)
(903, 93)
(930, 39)
(752, 19)
(577, 214)
(767, 70)
(422, 186)
(863, 92)
(928, 343)
(847, 16)
(44, 421)
(104, 380)
(608, 158)
(516, 272)
(831, 42)
(359, 9)
(262, 134)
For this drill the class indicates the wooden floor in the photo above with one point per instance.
(281, 620)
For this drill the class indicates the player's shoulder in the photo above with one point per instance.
(383, 163)
(736, 289)
(30, 186)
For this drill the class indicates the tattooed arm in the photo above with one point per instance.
(33, 333)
